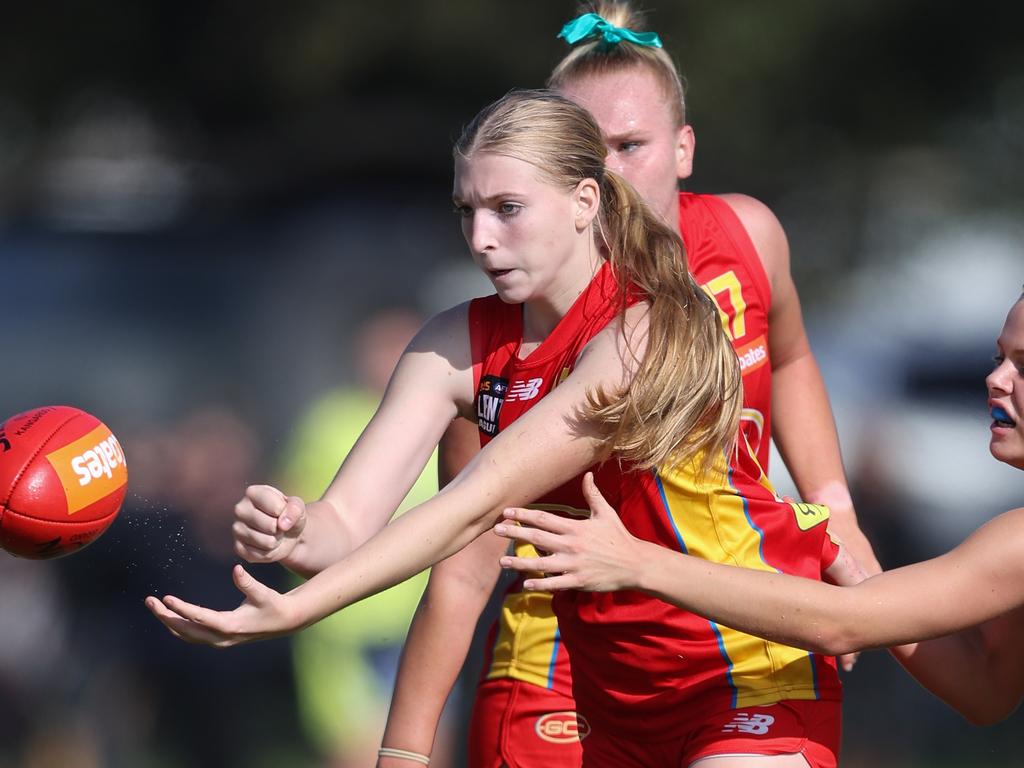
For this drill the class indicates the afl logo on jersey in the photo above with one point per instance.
(489, 398)
(562, 727)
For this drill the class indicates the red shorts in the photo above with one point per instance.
(519, 725)
(810, 728)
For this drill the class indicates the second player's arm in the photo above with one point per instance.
(979, 671)
(443, 626)
(803, 426)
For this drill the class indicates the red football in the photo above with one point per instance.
(63, 478)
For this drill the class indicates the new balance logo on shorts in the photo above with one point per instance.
(744, 723)
(524, 390)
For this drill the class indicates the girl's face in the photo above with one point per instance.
(1006, 391)
(645, 146)
(531, 238)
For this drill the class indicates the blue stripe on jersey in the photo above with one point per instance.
(760, 552)
(728, 663)
(811, 657)
(668, 514)
(554, 656)
(750, 521)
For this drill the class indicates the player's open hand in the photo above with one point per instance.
(267, 524)
(596, 554)
(263, 614)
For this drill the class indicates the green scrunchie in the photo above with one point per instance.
(591, 25)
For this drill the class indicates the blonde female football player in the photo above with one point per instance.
(737, 250)
(597, 343)
(975, 591)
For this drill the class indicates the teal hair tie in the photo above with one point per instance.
(590, 25)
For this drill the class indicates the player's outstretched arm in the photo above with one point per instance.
(980, 579)
(802, 423)
(538, 452)
(430, 385)
(445, 620)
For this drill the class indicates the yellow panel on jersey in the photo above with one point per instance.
(714, 522)
(527, 644)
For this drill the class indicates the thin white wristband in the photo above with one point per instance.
(404, 754)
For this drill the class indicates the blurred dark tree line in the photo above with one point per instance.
(279, 102)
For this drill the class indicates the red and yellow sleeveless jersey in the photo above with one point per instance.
(525, 643)
(629, 649)
(667, 668)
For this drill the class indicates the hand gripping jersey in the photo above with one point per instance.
(524, 642)
(635, 651)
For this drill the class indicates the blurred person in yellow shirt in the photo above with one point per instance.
(345, 665)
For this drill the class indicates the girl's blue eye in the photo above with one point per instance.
(509, 209)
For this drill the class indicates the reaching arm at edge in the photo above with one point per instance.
(980, 579)
(979, 671)
(802, 422)
(442, 628)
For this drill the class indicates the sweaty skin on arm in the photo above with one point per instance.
(802, 424)
(979, 672)
(536, 453)
(442, 629)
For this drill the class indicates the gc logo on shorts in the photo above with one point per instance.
(562, 727)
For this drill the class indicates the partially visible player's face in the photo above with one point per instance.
(523, 233)
(1006, 391)
(645, 146)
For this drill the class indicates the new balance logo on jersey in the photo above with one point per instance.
(745, 723)
(489, 398)
(524, 390)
